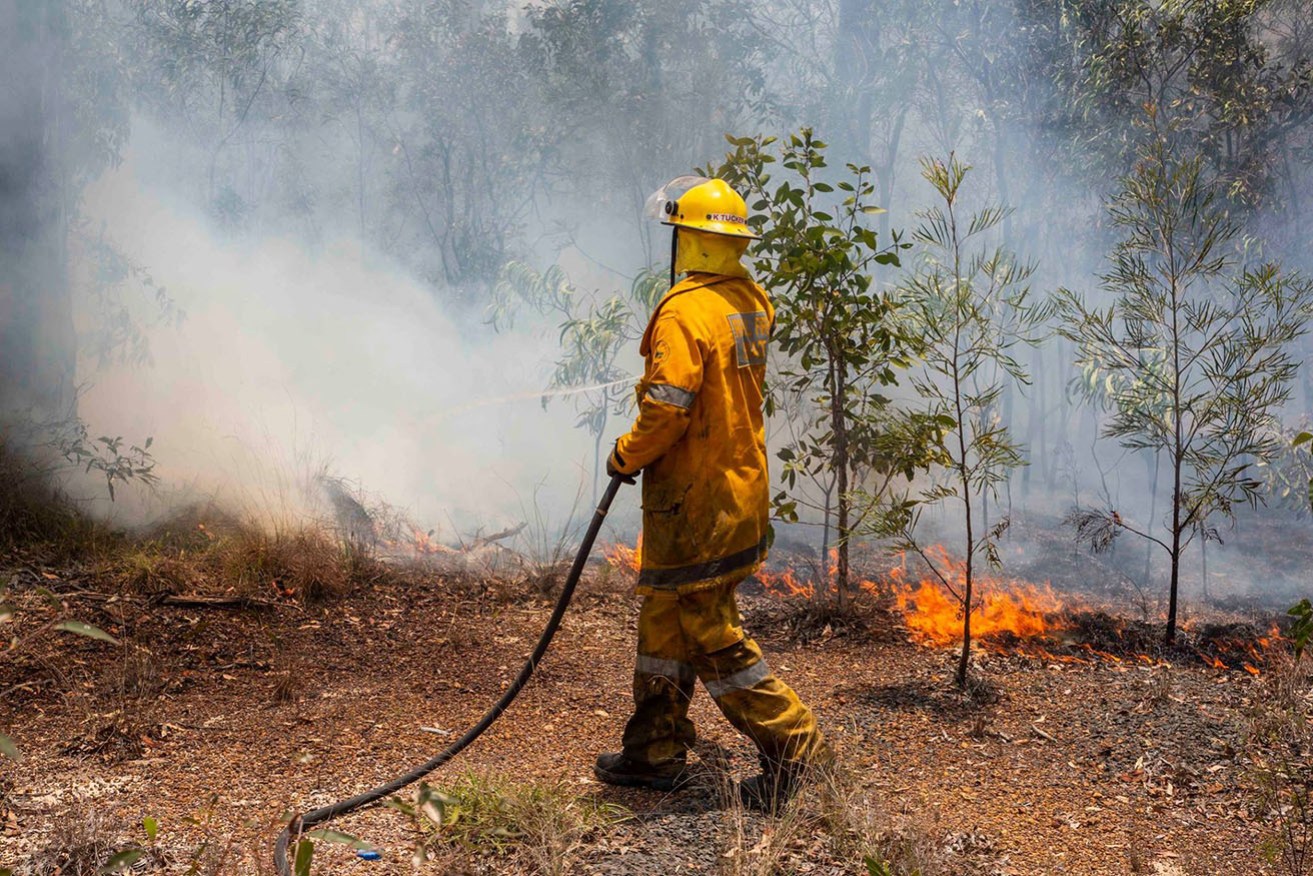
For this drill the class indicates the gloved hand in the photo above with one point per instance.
(612, 470)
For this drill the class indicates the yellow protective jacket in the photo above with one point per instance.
(700, 438)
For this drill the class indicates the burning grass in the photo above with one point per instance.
(1004, 609)
(1010, 616)
(624, 558)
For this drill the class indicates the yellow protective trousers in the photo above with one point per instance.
(698, 634)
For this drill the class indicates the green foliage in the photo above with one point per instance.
(1216, 76)
(305, 853)
(84, 629)
(1194, 354)
(1288, 477)
(969, 303)
(1302, 439)
(121, 861)
(839, 339)
(877, 867)
(107, 456)
(1302, 629)
(492, 814)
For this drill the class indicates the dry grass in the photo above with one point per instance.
(541, 826)
(150, 572)
(1280, 746)
(835, 818)
(245, 564)
(83, 841)
(34, 512)
(305, 562)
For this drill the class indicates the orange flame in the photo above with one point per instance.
(620, 556)
(932, 609)
(934, 614)
(786, 584)
(425, 545)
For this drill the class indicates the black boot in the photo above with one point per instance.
(617, 769)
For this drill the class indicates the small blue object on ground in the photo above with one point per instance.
(368, 855)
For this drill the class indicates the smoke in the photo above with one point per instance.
(327, 189)
(294, 360)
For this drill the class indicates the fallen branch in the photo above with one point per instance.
(485, 540)
(200, 601)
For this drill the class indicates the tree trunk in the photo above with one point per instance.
(37, 373)
(854, 66)
(1151, 463)
(1175, 550)
(822, 592)
(964, 659)
(839, 424)
(969, 578)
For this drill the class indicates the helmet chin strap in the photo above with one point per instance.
(674, 251)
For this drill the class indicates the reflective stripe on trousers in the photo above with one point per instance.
(700, 635)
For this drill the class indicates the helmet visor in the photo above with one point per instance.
(655, 206)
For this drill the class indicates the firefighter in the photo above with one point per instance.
(699, 441)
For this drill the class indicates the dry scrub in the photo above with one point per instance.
(1281, 748)
(541, 826)
(33, 512)
(835, 818)
(241, 564)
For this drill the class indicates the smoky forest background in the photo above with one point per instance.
(297, 295)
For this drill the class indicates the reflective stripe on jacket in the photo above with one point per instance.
(699, 437)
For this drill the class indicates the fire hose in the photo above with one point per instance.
(307, 820)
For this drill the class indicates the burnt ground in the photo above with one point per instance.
(216, 721)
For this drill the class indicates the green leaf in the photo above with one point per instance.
(337, 836)
(81, 629)
(121, 861)
(400, 805)
(9, 749)
(1302, 629)
(1302, 438)
(151, 826)
(433, 805)
(873, 210)
(876, 868)
(305, 850)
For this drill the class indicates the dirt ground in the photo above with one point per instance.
(216, 722)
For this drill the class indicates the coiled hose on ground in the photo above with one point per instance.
(305, 821)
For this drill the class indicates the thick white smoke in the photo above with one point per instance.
(291, 359)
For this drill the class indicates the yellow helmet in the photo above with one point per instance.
(710, 205)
